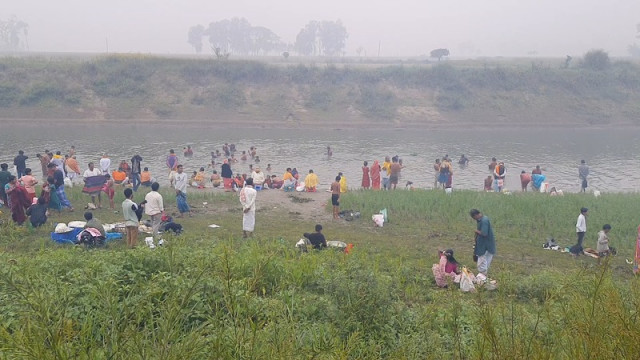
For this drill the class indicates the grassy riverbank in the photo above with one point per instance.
(210, 294)
(291, 94)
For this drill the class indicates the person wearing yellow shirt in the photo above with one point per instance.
(311, 181)
(343, 183)
(386, 172)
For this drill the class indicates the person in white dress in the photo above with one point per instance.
(248, 201)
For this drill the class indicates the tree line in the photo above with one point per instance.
(238, 36)
(13, 34)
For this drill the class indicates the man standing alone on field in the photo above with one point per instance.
(485, 247)
(248, 201)
(583, 172)
(581, 230)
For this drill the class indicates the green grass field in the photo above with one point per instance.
(208, 294)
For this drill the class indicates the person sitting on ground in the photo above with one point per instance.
(446, 269)
(525, 179)
(276, 182)
(316, 239)
(216, 180)
(119, 176)
(200, 178)
(145, 177)
(488, 183)
(311, 182)
(289, 182)
(238, 182)
(93, 223)
(124, 165)
(38, 213)
(258, 178)
(603, 242)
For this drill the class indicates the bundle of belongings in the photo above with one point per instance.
(76, 233)
(349, 215)
(551, 244)
(167, 224)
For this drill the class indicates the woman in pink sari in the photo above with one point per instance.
(375, 175)
(366, 181)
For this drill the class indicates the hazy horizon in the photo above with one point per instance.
(402, 28)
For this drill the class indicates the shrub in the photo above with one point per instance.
(597, 60)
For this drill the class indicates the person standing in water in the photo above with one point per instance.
(583, 173)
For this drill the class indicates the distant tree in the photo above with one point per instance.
(306, 40)
(333, 36)
(634, 50)
(195, 37)
(238, 36)
(321, 38)
(439, 53)
(285, 54)
(596, 60)
(220, 53)
(360, 50)
(13, 34)
(567, 61)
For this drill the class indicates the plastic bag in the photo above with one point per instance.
(466, 281)
(378, 219)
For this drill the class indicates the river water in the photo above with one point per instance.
(612, 154)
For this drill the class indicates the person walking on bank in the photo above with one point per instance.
(181, 183)
(583, 172)
(581, 230)
(248, 201)
(135, 171)
(485, 247)
(335, 198)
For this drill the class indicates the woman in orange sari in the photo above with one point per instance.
(375, 175)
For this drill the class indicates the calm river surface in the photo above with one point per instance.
(612, 154)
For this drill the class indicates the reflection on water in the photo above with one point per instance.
(611, 153)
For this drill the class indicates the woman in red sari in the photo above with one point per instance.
(375, 175)
(366, 181)
(18, 200)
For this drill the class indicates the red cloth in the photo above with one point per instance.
(366, 181)
(227, 182)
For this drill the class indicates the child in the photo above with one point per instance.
(38, 213)
(109, 190)
(603, 242)
(446, 268)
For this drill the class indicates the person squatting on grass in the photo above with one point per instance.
(485, 247)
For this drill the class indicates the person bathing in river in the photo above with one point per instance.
(464, 161)
(493, 164)
(488, 183)
(525, 179)
(499, 173)
(537, 170)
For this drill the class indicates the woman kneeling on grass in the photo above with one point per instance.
(446, 269)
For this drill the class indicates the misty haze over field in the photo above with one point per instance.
(400, 28)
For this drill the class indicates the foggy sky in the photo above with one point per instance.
(468, 28)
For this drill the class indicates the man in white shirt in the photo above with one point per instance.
(581, 229)
(258, 177)
(248, 201)
(181, 183)
(90, 172)
(105, 164)
(154, 207)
